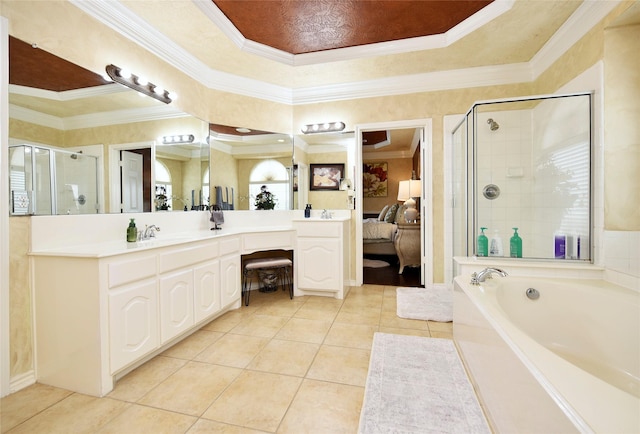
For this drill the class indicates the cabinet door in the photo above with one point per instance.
(133, 322)
(176, 303)
(319, 264)
(230, 279)
(206, 290)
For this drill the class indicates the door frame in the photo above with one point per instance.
(426, 162)
(114, 171)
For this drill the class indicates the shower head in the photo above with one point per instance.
(493, 125)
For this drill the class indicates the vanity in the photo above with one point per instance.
(104, 307)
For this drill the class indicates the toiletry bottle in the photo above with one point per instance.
(496, 248)
(307, 211)
(132, 231)
(560, 243)
(483, 244)
(515, 245)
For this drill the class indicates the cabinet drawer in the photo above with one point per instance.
(185, 256)
(229, 245)
(131, 270)
(267, 241)
(322, 230)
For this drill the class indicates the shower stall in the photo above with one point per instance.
(525, 163)
(44, 181)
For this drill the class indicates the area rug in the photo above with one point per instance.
(374, 263)
(432, 303)
(418, 385)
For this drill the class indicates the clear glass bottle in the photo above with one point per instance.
(132, 231)
(496, 248)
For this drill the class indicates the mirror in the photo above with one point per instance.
(244, 162)
(60, 106)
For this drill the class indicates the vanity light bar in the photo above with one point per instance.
(135, 82)
(327, 127)
(181, 138)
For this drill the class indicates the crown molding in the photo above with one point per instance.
(67, 95)
(125, 22)
(94, 120)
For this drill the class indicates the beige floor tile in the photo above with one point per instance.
(21, 405)
(193, 345)
(229, 320)
(264, 326)
(285, 357)
(321, 407)
(286, 308)
(255, 400)
(391, 319)
(75, 414)
(304, 330)
(318, 311)
(366, 316)
(351, 335)
(233, 350)
(204, 426)
(192, 389)
(408, 332)
(138, 419)
(140, 381)
(340, 365)
(446, 327)
(443, 335)
(357, 302)
(390, 303)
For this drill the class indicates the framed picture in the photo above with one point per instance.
(374, 180)
(325, 176)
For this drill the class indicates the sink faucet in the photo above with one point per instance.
(325, 214)
(485, 274)
(149, 232)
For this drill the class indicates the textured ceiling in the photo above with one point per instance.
(305, 26)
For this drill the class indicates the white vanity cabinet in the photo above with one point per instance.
(98, 317)
(321, 257)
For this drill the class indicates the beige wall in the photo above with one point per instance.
(622, 128)
(92, 45)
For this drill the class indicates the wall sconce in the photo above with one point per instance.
(327, 127)
(134, 82)
(181, 138)
(407, 190)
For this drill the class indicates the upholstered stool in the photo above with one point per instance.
(279, 270)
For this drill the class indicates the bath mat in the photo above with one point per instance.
(433, 303)
(418, 385)
(374, 263)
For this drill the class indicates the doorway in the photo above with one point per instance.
(424, 129)
(120, 189)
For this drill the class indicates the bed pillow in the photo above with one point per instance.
(391, 213)
(400, 214)
(383, 213)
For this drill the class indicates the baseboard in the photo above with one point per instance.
(22, 381)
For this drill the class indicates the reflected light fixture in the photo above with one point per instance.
(327, 127)
(407, 191)
(135, 82)
(180, 138)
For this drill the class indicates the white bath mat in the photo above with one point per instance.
(374, 263)
(418, 385)
(433, 303)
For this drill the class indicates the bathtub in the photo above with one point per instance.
(566, 362)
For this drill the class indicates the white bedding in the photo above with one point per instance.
(373, 229)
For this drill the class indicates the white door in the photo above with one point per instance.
(131, 170)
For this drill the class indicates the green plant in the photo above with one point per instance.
(265, 199)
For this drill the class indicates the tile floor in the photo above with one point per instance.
(278, 365)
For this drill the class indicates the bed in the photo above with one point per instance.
(378, 233)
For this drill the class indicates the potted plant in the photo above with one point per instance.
(265, 199)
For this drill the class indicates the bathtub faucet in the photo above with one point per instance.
(486, 274)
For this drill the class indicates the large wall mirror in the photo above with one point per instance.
(80, 144)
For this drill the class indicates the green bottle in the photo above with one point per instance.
(483, 244)
(515, 245)
(132, 231)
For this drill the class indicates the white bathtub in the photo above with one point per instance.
(566, 362)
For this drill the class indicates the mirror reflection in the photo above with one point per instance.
(59, 109)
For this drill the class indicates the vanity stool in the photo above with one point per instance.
(280, 269)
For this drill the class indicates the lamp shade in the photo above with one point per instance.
(409, 188)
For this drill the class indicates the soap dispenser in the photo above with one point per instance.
(515, 245)
(496, 248)
(132, 231)
(483, 244)
(307, 211)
